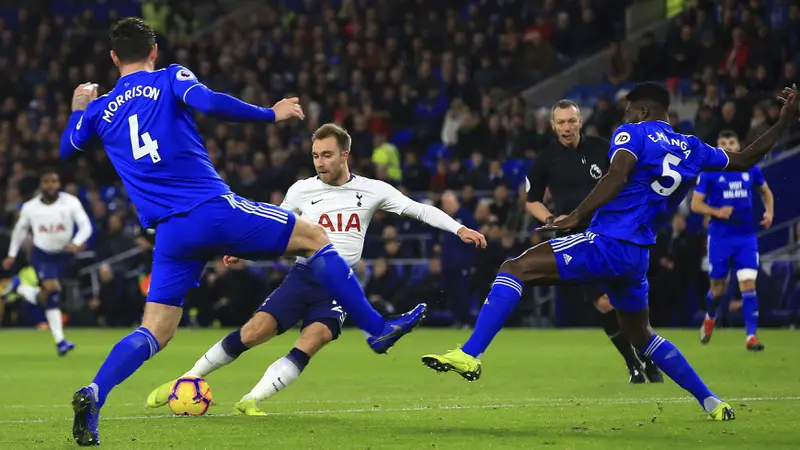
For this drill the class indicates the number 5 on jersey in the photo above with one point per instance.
(667, 171)
(150, 146)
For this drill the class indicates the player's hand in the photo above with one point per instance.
(561, 223)
(83, 94)
(8, 262)
(287, 109)
(230, 260)
(72, 248)
(766, 221)
(724, 212)
(471, 236)
(789, 98)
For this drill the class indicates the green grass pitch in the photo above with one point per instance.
(540, 389)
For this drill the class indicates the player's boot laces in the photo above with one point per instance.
(84, 425)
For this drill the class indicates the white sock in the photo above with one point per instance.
(710, 403)
(53, 316)
(279, 375)
(214, 358)
(29, 293)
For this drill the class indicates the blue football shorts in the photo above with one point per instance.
(618, 267)
(224, 225)
(731, 253)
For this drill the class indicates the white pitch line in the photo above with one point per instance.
(541, 403)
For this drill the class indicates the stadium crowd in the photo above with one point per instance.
(430, 97)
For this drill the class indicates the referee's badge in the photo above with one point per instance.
(595, 172)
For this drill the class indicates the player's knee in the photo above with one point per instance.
(307, 238)
(259, 329)
(747, 285)
(512, 267)
(747, 279)
(603, 304)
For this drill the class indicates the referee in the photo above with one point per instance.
(570, 167)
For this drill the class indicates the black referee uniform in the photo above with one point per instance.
(571, 174)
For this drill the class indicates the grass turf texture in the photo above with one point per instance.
(540, 389)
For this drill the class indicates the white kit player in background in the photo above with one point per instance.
(343, 204)
(53, 217)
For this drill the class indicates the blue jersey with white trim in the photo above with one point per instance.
(149, 134)
(734, 189)
(667, 164)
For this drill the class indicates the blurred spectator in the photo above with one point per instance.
(457, 265)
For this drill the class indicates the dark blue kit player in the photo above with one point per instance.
(147, 128)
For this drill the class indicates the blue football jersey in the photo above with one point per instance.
(150, 137)
(667, 164)
(733, 189)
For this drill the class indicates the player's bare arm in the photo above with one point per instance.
(700, 206)
(83, 95)
(743, 161)
(607, 188)
(769, 205)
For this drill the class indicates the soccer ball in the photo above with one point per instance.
(190, 396)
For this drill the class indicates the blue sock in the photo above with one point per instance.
(750, 312)
(232, 344)
(127, 356)
(502, 299)
(299, 358)
(53, 300)
(669, 359)
(712, 304)
(332, 272)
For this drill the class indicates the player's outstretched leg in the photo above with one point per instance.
(331, 271)
(747, 285)
(637, 326)
(287, 369)
(713, 298)
(537, 266)
(158, 327)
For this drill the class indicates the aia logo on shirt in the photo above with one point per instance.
(52, 228)
(336, 222)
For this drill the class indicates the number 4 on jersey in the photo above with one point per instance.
(150, 146)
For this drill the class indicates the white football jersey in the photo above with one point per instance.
(345, 211)
(53, 225)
